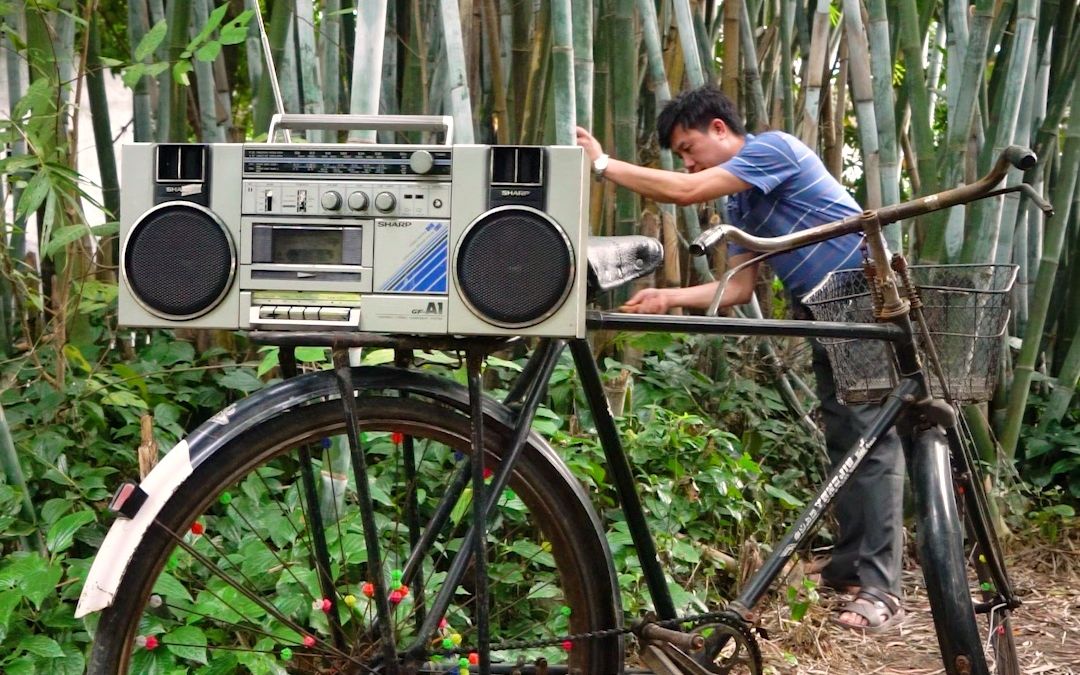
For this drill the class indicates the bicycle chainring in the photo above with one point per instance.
(730, 647)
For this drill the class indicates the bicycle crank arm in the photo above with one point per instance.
(666, 659)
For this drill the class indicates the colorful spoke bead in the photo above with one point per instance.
(395, 597)
(323, 605)
(488, 473)
(443, 623)
(225, 498)
(447, 643)
(396, 576)
(463, 662)
(150, 643)
(987, 586)
(368, 589)
(197, 528)
(567, 645)
(456, 639)
(403, 589)
(155, 601)
(397, 438)
(350, 600)
(309, 641)
(565, 610)
(286, 654)
(474, 658)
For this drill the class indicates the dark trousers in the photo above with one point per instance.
(869, 509)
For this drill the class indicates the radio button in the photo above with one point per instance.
(334, 314)
(296, 312)
(311, 313)
(358, 201)
(385, 201)
(330, 200)
(421, 161)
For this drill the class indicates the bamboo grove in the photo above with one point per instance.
(900, 98)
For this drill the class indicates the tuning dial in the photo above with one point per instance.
(421, 161)
(358, 201)
(330, 200)
(385, 201)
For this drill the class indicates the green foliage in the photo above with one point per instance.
(1051, 456)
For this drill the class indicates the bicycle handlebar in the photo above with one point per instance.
(1019, 157)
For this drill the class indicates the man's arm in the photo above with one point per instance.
(665, 186)
(739, 290)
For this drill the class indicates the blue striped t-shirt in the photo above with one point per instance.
(791, 191)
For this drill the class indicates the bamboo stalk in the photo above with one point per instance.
(534, 88)
(1013, 216)
(815, 69)
(884, 107)
(177, 39)
(862, 95)
(583, 62)
(562, 66)
(252, 48)
(624, 113)
(1065, 386)
(729, 71)
(492, 40)
(330, 55)
(1064, 188)
(278, 33)
(986, 221)
(310, 81)
(206, 98)
(367, 64)
(915, 86)
(787, 68)
(521, 18)
(460, 103)
(138, 24)
(9, 459)
(694, 72)
(103, 144)
(757, 113)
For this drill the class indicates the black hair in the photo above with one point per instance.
(696, 109)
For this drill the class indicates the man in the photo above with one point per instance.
(777, 185)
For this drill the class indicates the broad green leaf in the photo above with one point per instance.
(241, 380)
(106, 229)
(132, 75)
(151, 41)
(236, 31)
(62, 236)
(180, 72)
(208, 52)
(62, 533)
(378, 357)
(211, 23)
(34, 194)
(168, 586)
(9, 599)
(311, 354)
(785, 497)
(41, 645)
(178, 351)
(187, 642)
(124, 399)
(269, 361)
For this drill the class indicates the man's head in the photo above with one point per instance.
(702, 126)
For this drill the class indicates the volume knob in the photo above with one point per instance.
(358, 201)
(385, 201)
(421, 161)
(330, 200)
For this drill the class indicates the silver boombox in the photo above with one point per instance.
(407, 239)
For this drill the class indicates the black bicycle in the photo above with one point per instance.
(343, 521)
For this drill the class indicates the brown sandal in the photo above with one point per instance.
(881, 611)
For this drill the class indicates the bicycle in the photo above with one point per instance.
(251, 534)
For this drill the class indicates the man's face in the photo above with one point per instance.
(701, 150)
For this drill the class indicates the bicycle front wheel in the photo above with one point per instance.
(258, 562)
(968, 644)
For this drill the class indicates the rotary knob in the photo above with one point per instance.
(421, 161)
(358, 201)
(330, 200)
(385, 201)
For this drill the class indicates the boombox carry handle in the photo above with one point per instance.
(442, 123)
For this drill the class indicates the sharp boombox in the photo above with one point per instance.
(406, 239)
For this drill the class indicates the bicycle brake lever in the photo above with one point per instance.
(1046, 207)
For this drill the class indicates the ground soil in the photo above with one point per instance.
(1047, 627)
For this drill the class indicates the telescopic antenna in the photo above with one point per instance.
(269, 57)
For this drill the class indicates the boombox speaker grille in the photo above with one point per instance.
(179, 260)
(514, 266)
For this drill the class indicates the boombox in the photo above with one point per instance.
(405, 239)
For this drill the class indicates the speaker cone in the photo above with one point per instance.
(514, 266)
(179, 260)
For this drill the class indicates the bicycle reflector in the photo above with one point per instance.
(128, 499)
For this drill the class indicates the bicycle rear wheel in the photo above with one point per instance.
(968, 644)
(236, 576)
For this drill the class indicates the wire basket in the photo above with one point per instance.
(966, 309)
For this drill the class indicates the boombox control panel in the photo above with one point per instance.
(465, 239)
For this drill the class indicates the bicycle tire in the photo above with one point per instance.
(942, 556)
(564, 526)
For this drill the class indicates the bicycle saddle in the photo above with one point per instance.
(614, 261)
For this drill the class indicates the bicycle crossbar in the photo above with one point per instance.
(644, 323)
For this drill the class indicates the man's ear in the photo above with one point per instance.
(718, 127)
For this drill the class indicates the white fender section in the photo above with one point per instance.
(125, 534)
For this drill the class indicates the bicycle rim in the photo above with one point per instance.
(231, 579)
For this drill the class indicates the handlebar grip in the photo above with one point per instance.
(1020, 157)
(707, 240)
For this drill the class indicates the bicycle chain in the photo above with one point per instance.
(723, 616)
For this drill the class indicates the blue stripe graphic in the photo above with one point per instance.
(436, 248)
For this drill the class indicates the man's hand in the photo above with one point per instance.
(592, 146)
(648, 301)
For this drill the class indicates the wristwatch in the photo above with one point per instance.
(599, 165)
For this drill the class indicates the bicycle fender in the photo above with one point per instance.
(125, 535)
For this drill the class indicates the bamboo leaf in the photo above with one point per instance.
(208, 52)
(180, 72)
(151, 41)
(133, 74)
(62, 236)
(212, 23)
(236, 31)
(34, 194)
